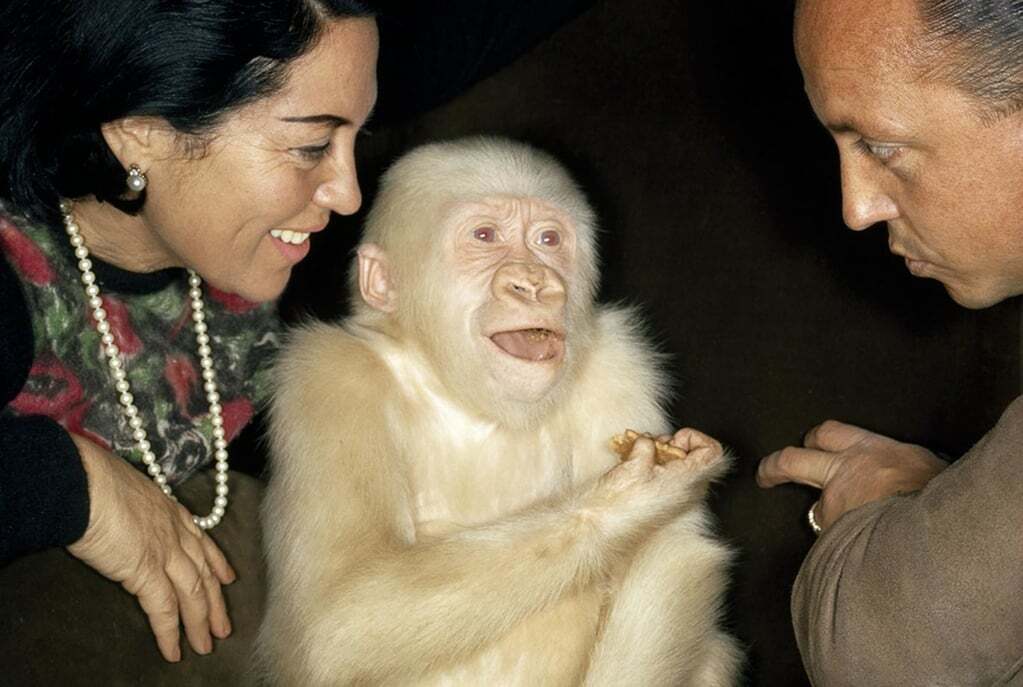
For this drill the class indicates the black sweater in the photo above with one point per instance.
(43, 491)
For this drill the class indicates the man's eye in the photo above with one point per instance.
(485, 234)
(313, 152)
(549, 238)
(879, 151)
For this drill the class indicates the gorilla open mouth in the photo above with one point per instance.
(535, 345)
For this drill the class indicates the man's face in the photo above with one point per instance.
(915, 153)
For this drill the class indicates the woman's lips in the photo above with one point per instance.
(292, 252)
(293, 244)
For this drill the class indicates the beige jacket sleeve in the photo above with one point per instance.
(925, 589)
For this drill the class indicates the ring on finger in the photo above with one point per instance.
(812, 519)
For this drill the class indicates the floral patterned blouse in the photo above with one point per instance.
(68, 380)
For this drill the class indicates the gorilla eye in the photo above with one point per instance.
(549, 238)
(485, 234)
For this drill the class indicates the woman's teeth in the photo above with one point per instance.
(289, 236)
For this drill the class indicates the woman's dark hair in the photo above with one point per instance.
(978, 46)
(69, 66)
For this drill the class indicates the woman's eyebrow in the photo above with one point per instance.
(333, 120)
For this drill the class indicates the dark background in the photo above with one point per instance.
(719, 199)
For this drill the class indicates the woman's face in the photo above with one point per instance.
(241, 214)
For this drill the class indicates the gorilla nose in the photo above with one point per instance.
(528, 282)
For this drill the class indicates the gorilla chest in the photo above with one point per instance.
(472, 474)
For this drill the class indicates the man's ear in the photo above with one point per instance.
(375, 282)
(136, 140)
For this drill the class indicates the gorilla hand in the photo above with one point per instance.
(654, 492)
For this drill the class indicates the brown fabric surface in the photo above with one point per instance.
(61, 623)
(924, 589)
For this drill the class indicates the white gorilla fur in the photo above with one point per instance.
(424, 525)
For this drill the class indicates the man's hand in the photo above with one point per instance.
(851, 466)
(147, 542)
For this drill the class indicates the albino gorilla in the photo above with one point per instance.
(444, 508)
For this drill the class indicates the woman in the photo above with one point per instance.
(162, 165)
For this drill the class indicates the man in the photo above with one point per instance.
(917, 578)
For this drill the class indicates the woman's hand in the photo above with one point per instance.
(147, 542)
(851, 466)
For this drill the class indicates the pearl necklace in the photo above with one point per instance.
(127, 401)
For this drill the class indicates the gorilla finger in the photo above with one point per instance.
(643, 451)
(689, 439)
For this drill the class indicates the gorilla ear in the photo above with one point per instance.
(375, 278)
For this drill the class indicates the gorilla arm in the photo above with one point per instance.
(662, 628)
(662, 625)
(383, 604)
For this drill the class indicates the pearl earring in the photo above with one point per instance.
(136, 179)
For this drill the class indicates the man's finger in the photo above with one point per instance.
(822, 513)
(794, 464)
(832, 435)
